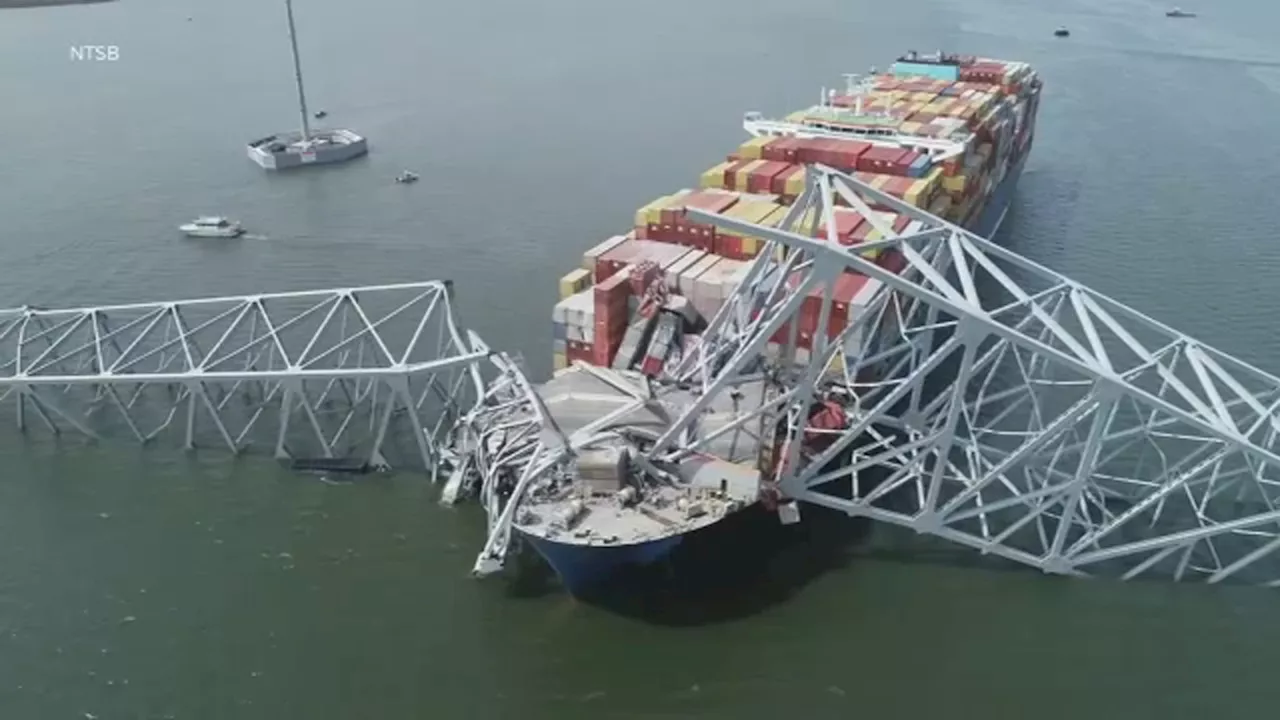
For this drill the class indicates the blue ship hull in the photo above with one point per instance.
(581, 568)
(987, 224)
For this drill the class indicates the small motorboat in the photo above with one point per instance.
(1062, 31)
(212, 227)
(1179, 13)
(321, 114)
(407, 177)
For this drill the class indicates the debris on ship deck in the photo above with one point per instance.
(565, 461)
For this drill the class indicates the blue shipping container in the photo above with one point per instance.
(919, 168)
(941, 72)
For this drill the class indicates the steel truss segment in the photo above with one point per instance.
(1000, 405)
(325, 372)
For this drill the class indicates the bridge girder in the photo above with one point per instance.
(1000, 405)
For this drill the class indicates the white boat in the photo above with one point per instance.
(212, 227)
(407, 177)
(307, 145)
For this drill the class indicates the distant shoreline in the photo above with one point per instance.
(46, 3)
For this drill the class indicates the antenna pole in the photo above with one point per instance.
(297, 73)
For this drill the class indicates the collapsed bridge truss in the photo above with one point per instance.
(373, 373)
(1000, 405)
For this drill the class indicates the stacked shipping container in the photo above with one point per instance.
(990, 109)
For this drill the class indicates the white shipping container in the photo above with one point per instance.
(560, 313)
(723, 278)
(679, 266)
(688, 277)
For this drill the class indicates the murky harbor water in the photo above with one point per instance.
(151, 583)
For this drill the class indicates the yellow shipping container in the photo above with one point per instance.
(872, 236)
(794, 185)
(940, 106)
(909, 128)
(955, 183)
(752, 211)
(775, 217)
(651, 213)
(574, 282)
(758, 212)
(751, 149)
(559, 361)
(934, 178)
(918, 194)
(714, 178)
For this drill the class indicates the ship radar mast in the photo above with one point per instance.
(858, 87)
(297, 73)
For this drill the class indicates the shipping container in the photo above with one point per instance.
(762, 178)
(880, 159)
(575, 281)
(677, 269)
(781, 150)
(847, 222)
(982, 110)
(714, 177)
(590, 257)
(753, 148)
(789, 183)
(741, 173)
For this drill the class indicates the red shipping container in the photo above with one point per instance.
(844, 154)
(729, 172)
(729, 246)
(712, 202)
(780, 150)
(760, 181)
(602, 353)
(642, 275)
(898, 186)
(607, 330)
(825, 150)
(808, 150)
(860, 233)
(779, 184)
(576, 351)
(880, 159)
(893, 261)
(613, 290)
(847, 221)
(906, 160)
(900, 223)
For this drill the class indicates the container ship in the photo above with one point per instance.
(948, 134)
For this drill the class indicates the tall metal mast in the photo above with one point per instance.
(297, 73)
